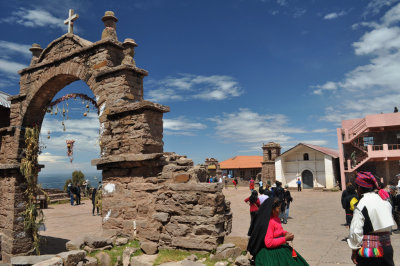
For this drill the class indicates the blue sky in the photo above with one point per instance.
(236, 73)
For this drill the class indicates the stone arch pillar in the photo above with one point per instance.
(130, 126)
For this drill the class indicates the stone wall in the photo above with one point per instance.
(172, 209)
(156, 191)
(11, 214)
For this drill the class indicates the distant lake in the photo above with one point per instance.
(58, 180)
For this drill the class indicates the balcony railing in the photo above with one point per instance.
(377, 147)
(394, 146)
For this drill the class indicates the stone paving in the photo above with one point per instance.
(65, 222)
(316, 219)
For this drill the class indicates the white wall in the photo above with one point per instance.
(290, 166)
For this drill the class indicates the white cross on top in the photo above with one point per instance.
(70, 20)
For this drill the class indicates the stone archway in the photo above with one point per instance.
(141, 175)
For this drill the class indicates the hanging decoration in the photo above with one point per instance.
(70, 149)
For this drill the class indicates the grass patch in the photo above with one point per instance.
(117, 251)
(171, 255)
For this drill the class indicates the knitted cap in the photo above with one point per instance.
(367, 180)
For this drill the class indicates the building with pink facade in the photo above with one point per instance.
(370, 144)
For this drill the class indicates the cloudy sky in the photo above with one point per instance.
(236, 73)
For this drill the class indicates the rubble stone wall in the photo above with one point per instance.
(172, 209)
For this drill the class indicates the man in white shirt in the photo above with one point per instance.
(371, 225)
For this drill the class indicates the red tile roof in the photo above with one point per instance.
(242, 162)
(331, 152)
(327, 151)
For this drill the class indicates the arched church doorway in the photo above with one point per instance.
(307, 178)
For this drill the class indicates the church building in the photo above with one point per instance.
(317, 167)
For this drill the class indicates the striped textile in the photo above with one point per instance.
(367, 180)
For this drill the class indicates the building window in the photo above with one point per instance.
(241, 174)
(305, 157)
(368, 141)
(269, 155)
(254, 173)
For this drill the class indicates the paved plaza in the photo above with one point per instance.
(316, 224)
(316, 219)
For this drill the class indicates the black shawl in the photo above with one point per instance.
(259, 227)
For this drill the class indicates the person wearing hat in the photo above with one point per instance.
(371, 226)
(70, 193)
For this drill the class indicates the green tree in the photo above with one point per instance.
(68, 181)
(78, 178)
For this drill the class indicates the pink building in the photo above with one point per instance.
(370, 144)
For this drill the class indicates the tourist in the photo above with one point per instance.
(396, 214)
(226, 182)
(344, 195)
(371, 226)
(208, 179)
(94, 203)
(211, 179)
(220, 180)
(267, 190)
(70, 194)
(349, 203)
(260, 183)
(288, 199)
(235, 182)
(268, 241)
(298, 182)
(78, 195)
(254, 203)
(263, 196)
(98, 201)
(398, 183)
(251, 184)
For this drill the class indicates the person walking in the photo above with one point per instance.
(226, 182)
(94, 203)
(288, 199)
(70, 194)
(78, 195)
(298, 182)
(254, 203)
(235, 182)
(371, 226)
(251, 184)
(261, 184)
(268, 241)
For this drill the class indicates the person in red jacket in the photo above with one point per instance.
(254, 203)
(268, 241)
(251, 184)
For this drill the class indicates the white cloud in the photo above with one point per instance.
(10, 67)
(11, 47)
(372, 87)
(375, 6)
(299, 12)
(188, 86)
(282, 2)
(334, 15)
(321, 130)
(34, 18)
(329, 86)
(319, 142)
(84, 131)
(246, 126)
(182, 126)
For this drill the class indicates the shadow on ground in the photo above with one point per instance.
(52, 245)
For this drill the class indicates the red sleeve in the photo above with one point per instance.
(246, 200)
(270, 241)
(258, 202)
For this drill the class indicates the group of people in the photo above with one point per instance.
(269, 242)
(371, 212)
(224, 179)
(74, 193)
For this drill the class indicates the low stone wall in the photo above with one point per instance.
(171, 209)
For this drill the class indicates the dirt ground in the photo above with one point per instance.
(316, 220)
